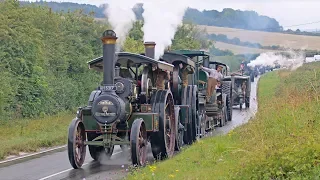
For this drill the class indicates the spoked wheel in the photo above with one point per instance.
(195, 117)
(76, 146)
(222, 117)
(138, 143)
(247, 102)
(163, 141)
(203, 121)
(223, 112)
(187, 137)
(180, 131)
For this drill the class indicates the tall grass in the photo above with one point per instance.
(281, 142)
(30, 135)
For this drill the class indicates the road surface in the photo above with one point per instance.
(56, 166)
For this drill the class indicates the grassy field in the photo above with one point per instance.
(30, 135)
(240, 49)
(268, 38)
(281, 142)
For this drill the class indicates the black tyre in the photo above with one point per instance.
(223, 112)
(252, 77)
(163, 141)
(195, 117)
(76, 147)
(187, 137)
(179, 132)
(227, 89)
(247, 102)
(138, 143)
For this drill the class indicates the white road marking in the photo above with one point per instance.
(33, 154)
(55, 174)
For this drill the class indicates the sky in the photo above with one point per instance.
(286, 12)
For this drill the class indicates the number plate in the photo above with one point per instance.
(107, 88)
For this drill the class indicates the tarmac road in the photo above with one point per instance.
(56, 166)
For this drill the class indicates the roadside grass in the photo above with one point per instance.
(30, 135)
(281, 142)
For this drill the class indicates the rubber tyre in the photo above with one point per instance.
(74, 126)
(226, 89)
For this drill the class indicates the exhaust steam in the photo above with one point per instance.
(292, 61)
(161, 20)
(121, 17)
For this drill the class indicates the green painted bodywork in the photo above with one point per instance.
(203, 76)
(151, 120)
(88, 120)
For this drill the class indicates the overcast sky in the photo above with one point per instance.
(286, 12)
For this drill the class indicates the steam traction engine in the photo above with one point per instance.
(127, 109)
(185, 95)
(219, 111)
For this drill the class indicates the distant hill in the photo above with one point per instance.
(249, 20)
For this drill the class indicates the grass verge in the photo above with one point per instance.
(30, 135)
(281, 142)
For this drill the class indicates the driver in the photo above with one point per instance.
(185, 72)
(160, 77)
(215, 76)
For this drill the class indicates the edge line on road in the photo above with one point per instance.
(55, 174)
(30, 156)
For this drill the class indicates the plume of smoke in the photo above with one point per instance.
(295, 59)
(161, 20)
(121, 17)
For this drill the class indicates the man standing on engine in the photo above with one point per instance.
(215, 76)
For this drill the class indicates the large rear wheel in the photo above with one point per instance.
(227, 89)
(179, 129)
(187, 137)
(163, 141)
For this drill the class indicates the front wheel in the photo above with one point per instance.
(76, 146)
(138, 143)
(247, 102)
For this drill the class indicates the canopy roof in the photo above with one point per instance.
(127, 59)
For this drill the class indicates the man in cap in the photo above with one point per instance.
(215, 76)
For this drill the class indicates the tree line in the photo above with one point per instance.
(44, 55)
(249, 20)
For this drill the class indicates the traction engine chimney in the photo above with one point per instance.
(109, 39)
(149, 49)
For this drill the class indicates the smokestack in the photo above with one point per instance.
(149, 49)
(109, 39)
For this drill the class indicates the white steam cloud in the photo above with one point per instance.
(161, 20)
(295, 60)
(121, 17)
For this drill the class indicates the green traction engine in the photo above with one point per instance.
(126, 110)
(185, 96)
(219, 110)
